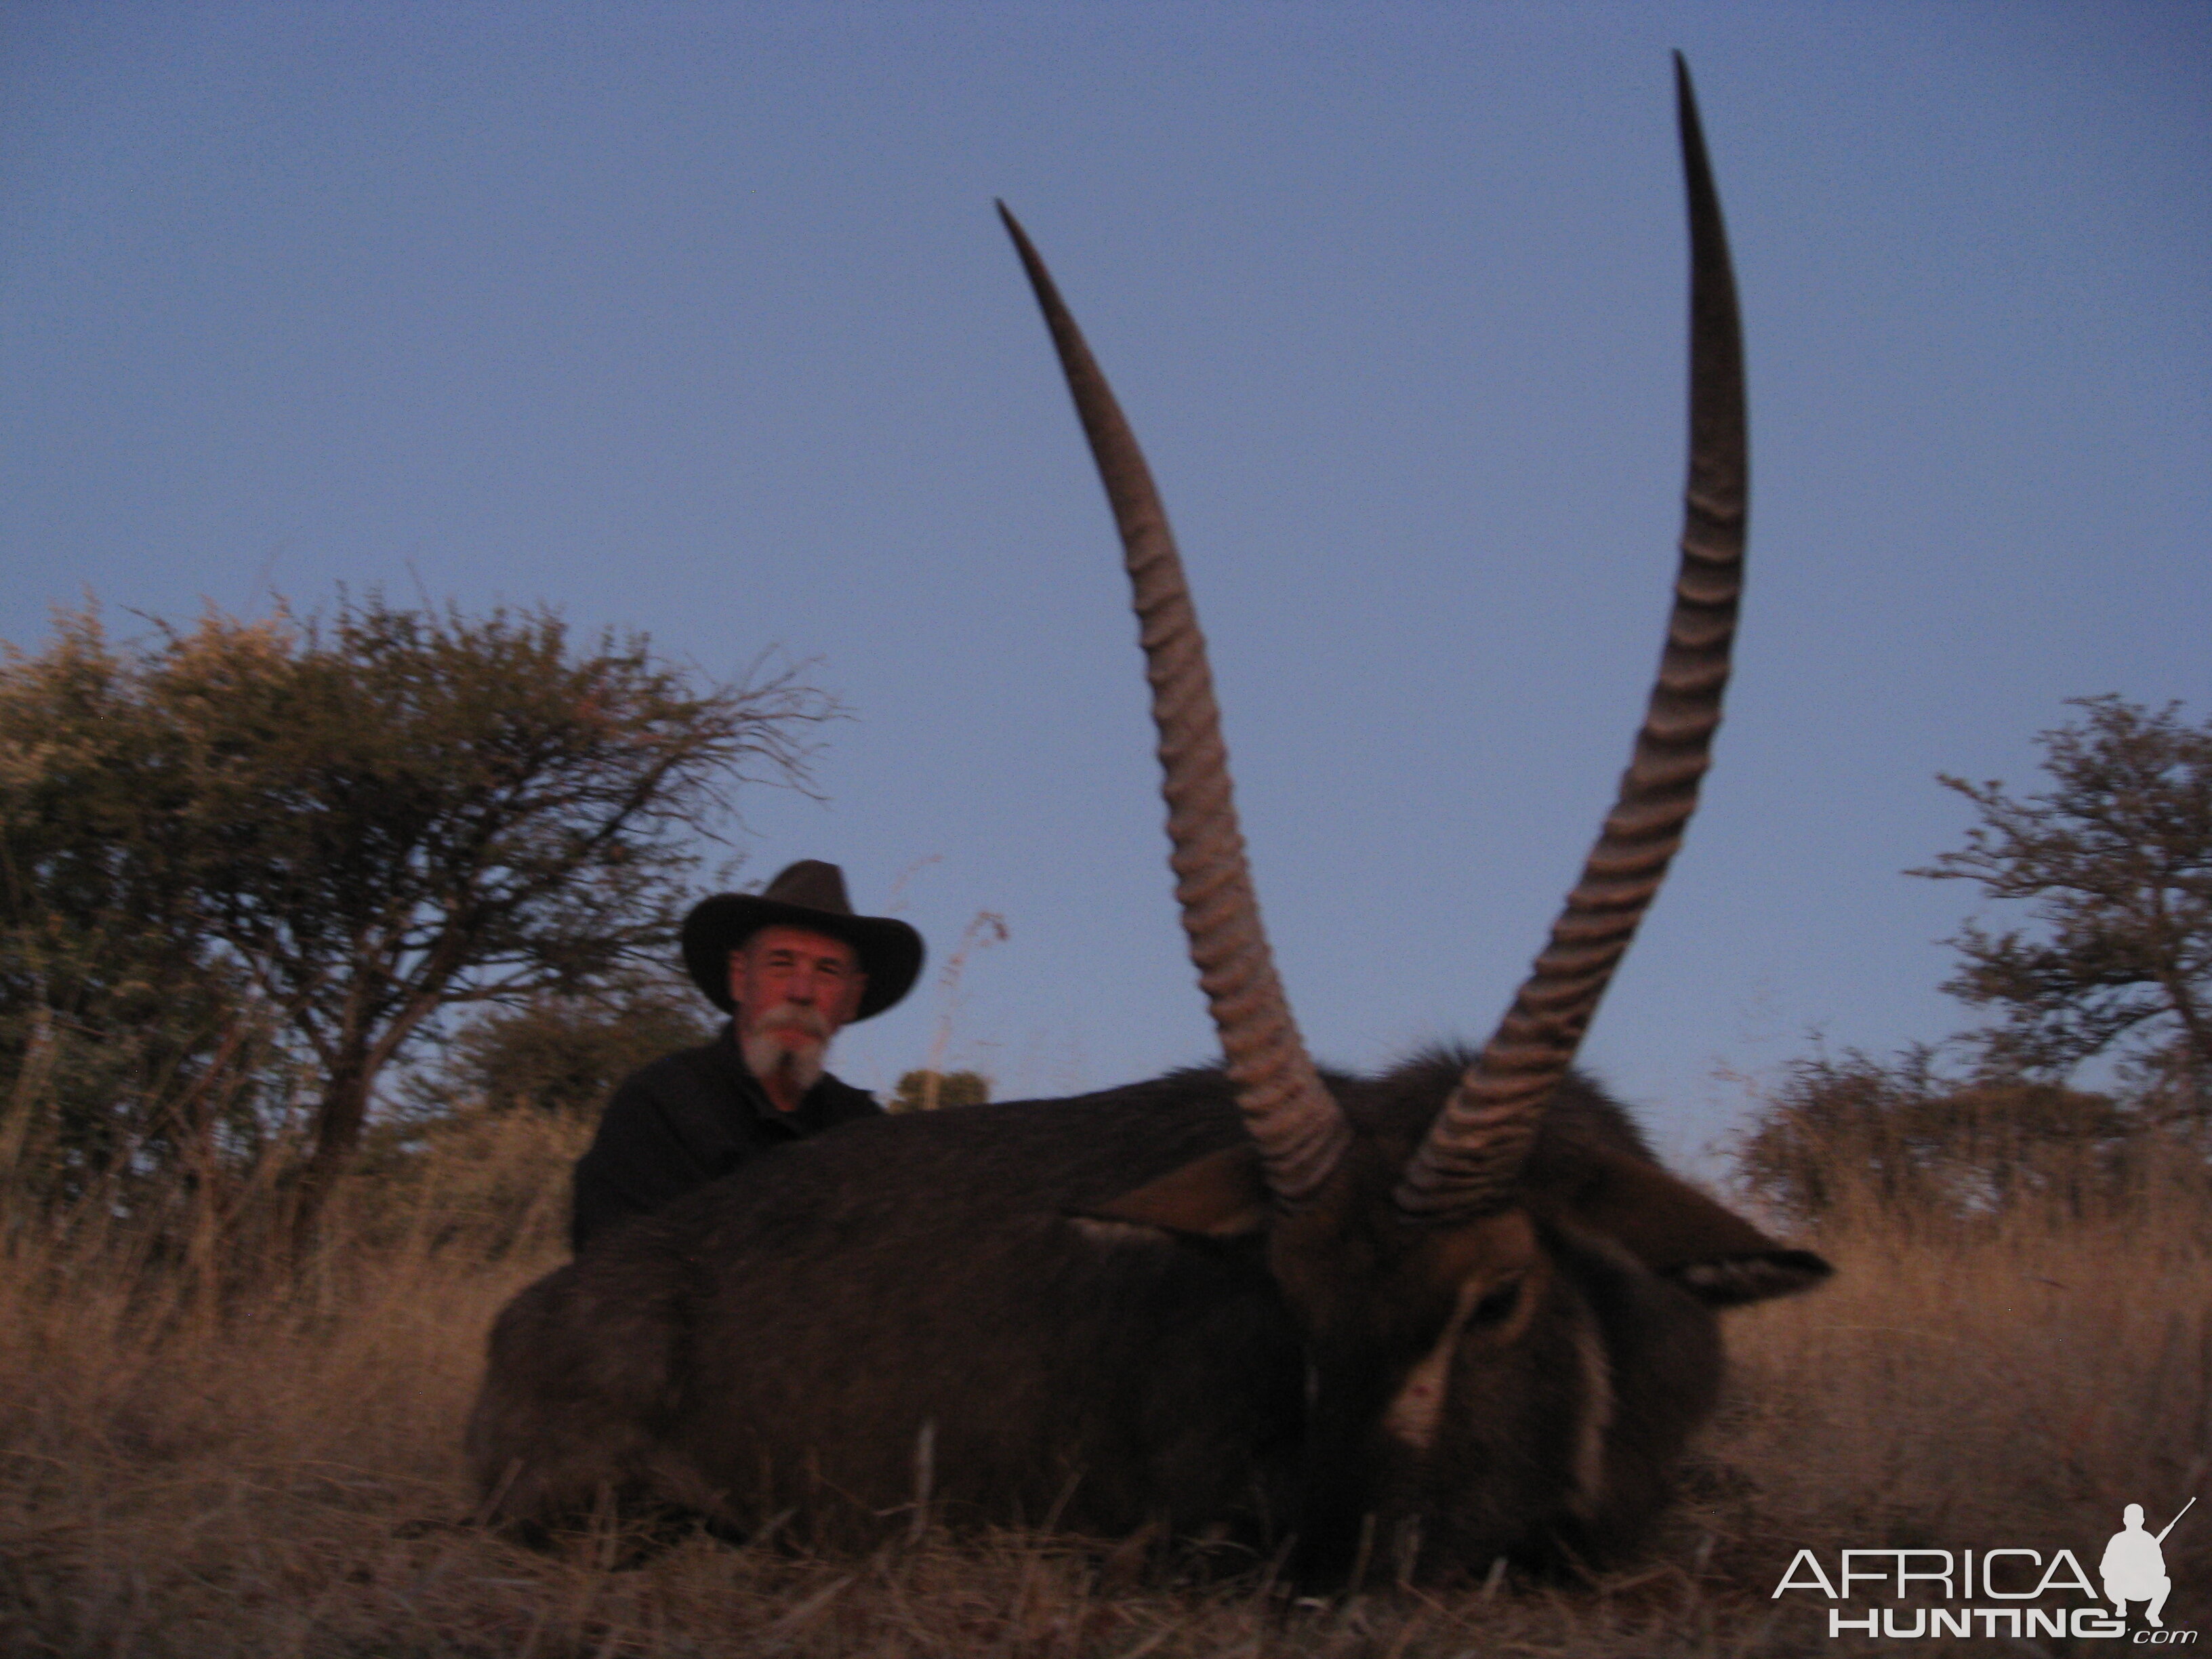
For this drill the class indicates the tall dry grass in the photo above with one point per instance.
(191, 1470)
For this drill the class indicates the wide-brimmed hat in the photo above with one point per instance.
(810, 894)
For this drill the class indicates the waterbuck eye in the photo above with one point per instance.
(1497, 1307)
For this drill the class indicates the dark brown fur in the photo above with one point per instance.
(943, 1304)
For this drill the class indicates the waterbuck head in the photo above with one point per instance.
(1440, 1265)
(1425, 1320)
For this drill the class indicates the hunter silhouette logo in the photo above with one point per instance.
(2134, 1567)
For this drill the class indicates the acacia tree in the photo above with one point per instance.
(562, 1052)
(2115, 861)
(369, 817)
(122, 1044)
(1902, 1136)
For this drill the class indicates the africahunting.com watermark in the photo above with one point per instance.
(1896, 1594)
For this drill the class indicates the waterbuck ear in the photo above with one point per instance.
(1681, 1234)
(1221, 1195)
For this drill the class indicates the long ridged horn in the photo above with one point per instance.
(1291, 1117)
(1473, 1154)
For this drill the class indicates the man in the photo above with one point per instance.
(2134, 1567)
(790, 965)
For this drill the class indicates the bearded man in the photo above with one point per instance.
(790, 965)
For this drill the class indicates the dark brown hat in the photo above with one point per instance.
(810, 894)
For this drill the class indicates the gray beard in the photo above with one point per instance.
(767, 1055)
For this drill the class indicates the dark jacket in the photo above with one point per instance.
(687, 1119)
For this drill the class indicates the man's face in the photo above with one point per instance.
(792, 989)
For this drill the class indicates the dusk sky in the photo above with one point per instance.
(694, 319)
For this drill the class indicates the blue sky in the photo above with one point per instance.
(694, 319)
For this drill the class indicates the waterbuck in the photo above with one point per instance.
(1431, 1318)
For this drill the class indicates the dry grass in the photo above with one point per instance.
(281, 1476)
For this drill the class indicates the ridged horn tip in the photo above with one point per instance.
(1469, 1157)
